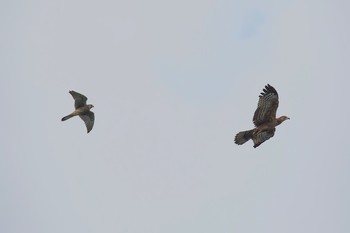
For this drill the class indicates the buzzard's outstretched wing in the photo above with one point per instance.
(262, 137)
(267, 106)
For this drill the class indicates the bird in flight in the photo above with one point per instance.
(264, 119)
(82, 110)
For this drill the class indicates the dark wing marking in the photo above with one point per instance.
(89, 119)
(267, 106)
(262, 137)
(80, 100)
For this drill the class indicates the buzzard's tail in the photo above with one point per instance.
(243, 137)
(67, 117)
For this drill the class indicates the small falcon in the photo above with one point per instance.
(264, 119)
(82, 110)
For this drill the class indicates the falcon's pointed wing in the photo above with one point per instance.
(262, 137)
(267, 106)
(89, 119)
(80, 100)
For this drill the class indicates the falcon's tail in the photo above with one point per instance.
(243, 137)
(67, 117)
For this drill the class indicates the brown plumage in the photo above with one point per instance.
(264, 119)
(82, 110)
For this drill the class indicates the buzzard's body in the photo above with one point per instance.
(82, 110)
(264, 119)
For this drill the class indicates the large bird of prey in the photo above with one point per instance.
(82, 110)
(264, 119)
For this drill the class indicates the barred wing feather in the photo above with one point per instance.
(267, 106)
(262, 137)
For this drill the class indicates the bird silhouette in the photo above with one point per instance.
(82, 110)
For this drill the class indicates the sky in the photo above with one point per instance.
(172, 82)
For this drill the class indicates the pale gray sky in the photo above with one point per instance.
(172, 82)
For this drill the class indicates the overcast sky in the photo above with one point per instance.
(172, 82)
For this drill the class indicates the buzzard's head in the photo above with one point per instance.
(283, 118)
